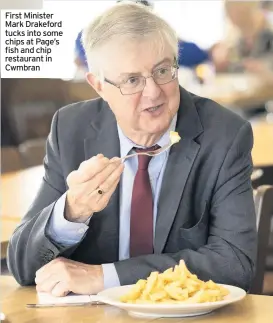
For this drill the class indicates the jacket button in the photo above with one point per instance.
(49, 255)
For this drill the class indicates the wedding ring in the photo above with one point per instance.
(100, 191)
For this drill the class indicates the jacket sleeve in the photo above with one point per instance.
(29, 247)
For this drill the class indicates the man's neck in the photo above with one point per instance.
(144, 140)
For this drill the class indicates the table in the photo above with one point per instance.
(7, 229)
(18, 191)
(238, 90)
(253, 309)
(262, 152)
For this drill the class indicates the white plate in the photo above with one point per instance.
(111, 296)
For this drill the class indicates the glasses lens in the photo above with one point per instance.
(136, 84)
(164, 75)
(133, 85)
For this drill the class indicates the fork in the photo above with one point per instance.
(151, 153)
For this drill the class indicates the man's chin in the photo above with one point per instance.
(157, 128)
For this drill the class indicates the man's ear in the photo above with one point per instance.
(96, 84)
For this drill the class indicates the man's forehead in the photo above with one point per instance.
(136, 59)
(133, 69)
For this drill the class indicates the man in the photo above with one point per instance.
(99, 222)
(255, 37)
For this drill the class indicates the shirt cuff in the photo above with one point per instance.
(62, 231)
(110, 276)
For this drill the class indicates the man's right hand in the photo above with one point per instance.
(97, 173)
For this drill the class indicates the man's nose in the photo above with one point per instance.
(151, 89)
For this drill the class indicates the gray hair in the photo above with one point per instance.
(129, 21)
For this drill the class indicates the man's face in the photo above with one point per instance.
(151, 110)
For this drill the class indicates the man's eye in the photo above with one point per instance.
(162, 71)
(132, 80)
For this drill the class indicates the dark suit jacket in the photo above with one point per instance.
(205, 214)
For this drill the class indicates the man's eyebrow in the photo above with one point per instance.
(164, 60)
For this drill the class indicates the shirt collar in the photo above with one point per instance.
(126, 145)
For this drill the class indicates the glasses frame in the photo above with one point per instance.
(174, 66)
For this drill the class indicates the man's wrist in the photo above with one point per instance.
(71, 213)
(97, 271)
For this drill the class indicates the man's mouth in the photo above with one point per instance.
(155, 108)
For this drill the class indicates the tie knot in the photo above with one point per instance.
(143, 160)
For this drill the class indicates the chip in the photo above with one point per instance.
(175, 285)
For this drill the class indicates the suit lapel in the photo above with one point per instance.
(180, 162)
(104, 139)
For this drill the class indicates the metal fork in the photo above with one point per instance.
(151, 153)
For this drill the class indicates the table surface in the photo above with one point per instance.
(242, 90)
(18, 191)
(253, 309)
(262, 152)
(7, 229)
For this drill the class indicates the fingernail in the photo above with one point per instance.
(115, 160)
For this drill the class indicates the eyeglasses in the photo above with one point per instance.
(136, 84)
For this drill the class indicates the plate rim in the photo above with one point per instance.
(172, 306)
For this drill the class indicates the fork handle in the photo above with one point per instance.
(132, 155)
(152, 153)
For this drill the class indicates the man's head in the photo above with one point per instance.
(143, 2)
(124, 47)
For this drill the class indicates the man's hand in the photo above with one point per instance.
(83, 198)
(61, 276)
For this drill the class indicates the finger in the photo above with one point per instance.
(113, 187)
(87, 170)
(92, 166)
(81, 175)
(44, 271)
(103, 199)
(114, 169)
(60, 289)
(112, 178)
(72, 178)
(47, 285)
(115, 159)
(42, 276)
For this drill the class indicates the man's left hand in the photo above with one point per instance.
(61, 276)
